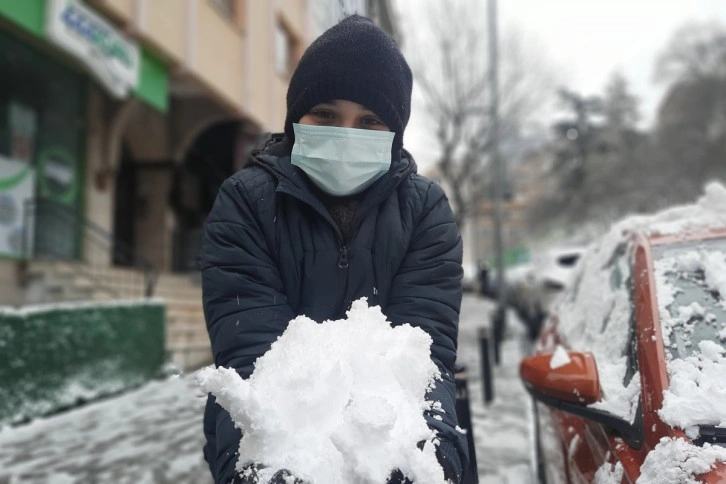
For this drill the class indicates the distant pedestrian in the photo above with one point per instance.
(329, 212)
(483, 279)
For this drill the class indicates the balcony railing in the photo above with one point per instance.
(55, 232)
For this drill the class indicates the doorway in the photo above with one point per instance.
(124, 214)
(214, 156)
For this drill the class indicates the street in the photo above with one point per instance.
(154, 434)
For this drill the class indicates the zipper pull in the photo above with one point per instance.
(343, 261)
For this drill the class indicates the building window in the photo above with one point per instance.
(232, 10)
(226, 7)
(326, 13)
(285, 49)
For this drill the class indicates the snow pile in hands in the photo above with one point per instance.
(697, 393)
(341, 401)
(675, 460)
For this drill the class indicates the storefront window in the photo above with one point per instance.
(42, 125)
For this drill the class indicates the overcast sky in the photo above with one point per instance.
(586, 40)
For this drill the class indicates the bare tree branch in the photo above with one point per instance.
(452, 71)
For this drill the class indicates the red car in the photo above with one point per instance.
(623, 375)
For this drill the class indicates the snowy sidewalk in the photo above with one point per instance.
(154, 434)
(501, 429)
(151, 435)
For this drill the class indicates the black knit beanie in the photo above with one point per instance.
(356, 61)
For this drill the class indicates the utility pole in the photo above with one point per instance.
(501, 314)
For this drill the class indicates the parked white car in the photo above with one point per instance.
(531, 289)
(552, 272)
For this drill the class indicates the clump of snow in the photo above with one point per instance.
(691, 311)
(574, 445)
(709, 211)
(711, 350)
(341, 401)
(696, 392)
(675, 460)
(714, 268)
(689, 261)
(559, 358)
(622, 400)
(608, 473)
(711, 263)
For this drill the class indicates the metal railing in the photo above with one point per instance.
(56, 232)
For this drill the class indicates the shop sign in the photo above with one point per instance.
(109, 55)
(57, 179)
(17, 184)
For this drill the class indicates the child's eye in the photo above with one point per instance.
(322, 114)
(371, 121)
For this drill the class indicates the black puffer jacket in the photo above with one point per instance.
(271, 252)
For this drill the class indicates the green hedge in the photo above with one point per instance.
(57, 356)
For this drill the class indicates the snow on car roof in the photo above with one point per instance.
(709, 212)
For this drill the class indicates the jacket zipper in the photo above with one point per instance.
(343, 247)
(343, 260)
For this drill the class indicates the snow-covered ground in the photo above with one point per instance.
(502, 430)
(151, 435)
(154, 434)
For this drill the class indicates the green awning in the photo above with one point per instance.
(153, 84)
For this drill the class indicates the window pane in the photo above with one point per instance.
(282, 50)
(225, 6)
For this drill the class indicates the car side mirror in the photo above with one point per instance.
(570, 385)
(574, 381)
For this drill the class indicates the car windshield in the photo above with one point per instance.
(691, 287)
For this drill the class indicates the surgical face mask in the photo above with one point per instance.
(341, 161)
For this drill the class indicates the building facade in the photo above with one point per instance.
(119, 120)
